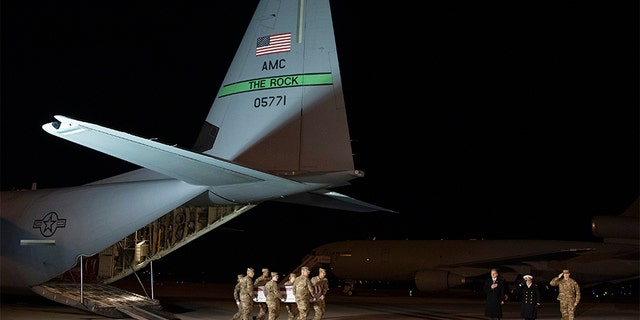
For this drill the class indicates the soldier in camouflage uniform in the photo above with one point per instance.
(304, 293)
(292, 308)
(323, 283)
(247, 294)
(261, 281)
(236, 297)
(568, 295)
(274, 296)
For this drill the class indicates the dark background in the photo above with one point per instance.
(501, 120)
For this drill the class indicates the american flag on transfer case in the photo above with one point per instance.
(273, 44)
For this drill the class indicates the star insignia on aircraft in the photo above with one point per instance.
(49, 224)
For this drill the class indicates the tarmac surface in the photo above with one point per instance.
(191, 301)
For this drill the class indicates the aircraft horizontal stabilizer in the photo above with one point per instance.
(230, 182)
(332, 200)
(191, 167)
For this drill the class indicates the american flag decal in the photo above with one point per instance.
(274, 43)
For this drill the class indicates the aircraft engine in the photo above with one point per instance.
(437, 280)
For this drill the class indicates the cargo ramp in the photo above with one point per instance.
(87, 285)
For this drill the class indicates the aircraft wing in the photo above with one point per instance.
(227, 180)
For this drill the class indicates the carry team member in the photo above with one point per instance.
(273, 296)
(236, 297)
(304, 293)
(292, 308)
(261, 281)
(247, 294)
(322, 282)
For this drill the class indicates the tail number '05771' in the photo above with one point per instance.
(271, 101)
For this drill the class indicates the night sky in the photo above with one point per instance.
(501, 120)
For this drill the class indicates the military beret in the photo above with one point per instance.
(274, 274)
(265, 270)
(565, 271)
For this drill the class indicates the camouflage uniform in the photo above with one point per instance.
(273, 295)
(261, 281)
(319, 305)
(304, 293)
(236, 297)
(292, 308)
(568, 295)
(247, 295)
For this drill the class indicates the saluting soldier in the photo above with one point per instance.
(568, 295)
(320, 281)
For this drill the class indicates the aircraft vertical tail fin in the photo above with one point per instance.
(622, 228)
(277, 128)
(280, 108)
(633, 210)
